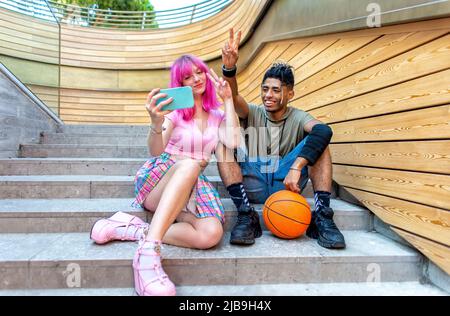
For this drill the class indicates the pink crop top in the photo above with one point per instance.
(188, 140)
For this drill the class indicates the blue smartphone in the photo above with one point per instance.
(182, 98)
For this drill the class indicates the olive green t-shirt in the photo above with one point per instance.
(284, 134)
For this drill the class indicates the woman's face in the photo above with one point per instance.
(196, 80)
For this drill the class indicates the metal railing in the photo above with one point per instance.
(94, 17)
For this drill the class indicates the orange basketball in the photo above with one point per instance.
(286, 214)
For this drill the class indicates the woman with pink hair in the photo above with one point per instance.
(187, 210)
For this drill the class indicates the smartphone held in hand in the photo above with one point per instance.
(182, 98)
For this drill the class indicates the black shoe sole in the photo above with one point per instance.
(237, 241)
(245, 242)
(331, 245)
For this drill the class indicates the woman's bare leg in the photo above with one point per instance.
(170, 195)
(192, 232)
(189, 231)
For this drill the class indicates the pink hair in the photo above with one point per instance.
(181, 68)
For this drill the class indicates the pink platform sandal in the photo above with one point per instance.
(149, 276)
(120, 226)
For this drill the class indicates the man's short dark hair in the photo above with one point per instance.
(282, 72)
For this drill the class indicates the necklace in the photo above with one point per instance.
(269, 146)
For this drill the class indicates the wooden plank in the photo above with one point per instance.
(248, 74)
(255, 80)
(94, 94)
(419, 93)
(429, 222)
(116, 65)
(378, 51)
(303, 55)
(43, 89)
(95, 102)
(29, 49)
(27, 55)
(94, 112)
(424, 60)
(331, 55)
(53, 99)
(425, 188)
(17, 21)
(429, 123)
(437, 253)
(28, 37)
(424, 156)
(105, 119)
(102, 107)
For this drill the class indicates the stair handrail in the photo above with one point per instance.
(29, 93)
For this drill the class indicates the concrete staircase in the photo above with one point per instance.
(50, 198)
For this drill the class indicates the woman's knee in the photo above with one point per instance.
(209, 235)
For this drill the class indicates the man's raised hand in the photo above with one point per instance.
(230, 51)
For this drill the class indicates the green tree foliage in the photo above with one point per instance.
(105, 19)
(119, 5)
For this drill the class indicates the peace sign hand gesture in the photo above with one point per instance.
(222, 87)
(230, 51)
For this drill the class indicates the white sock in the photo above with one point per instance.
(132, 232)
(150, 262)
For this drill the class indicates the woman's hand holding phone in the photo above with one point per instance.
(155, 112)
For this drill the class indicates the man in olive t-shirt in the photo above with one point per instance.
(283, 147)
(270, 148)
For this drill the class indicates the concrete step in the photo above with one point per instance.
(105, 129)
(82, 151)
(94, 139)
(286, 289)
(50, 261)
(79, 166)
(78, 215)
(86, 186)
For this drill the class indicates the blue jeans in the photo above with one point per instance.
(264, 176)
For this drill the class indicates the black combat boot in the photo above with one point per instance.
(247, 227)
(324, 229)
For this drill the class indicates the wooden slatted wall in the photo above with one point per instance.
(153, 49)
(103, 107)
(386, 94)
(28, 38)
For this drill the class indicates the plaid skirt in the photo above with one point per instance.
(204, 200)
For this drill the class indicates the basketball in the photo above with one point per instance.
(286, 214)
